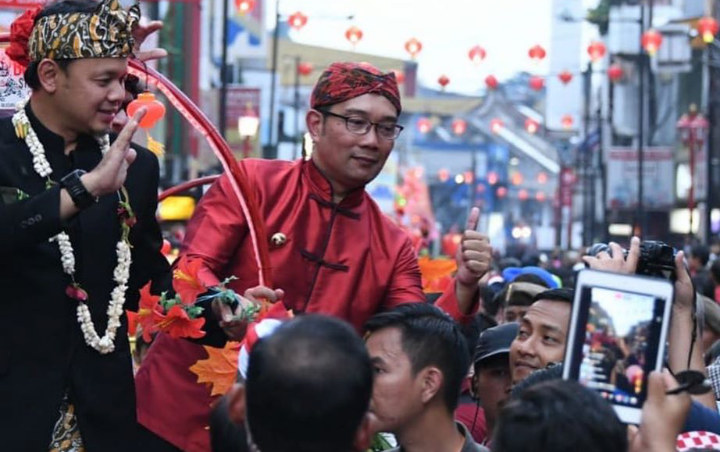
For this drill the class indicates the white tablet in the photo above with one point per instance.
(617, 335)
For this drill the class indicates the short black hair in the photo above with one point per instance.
(63, 7)
(430, 337)
(562, 294)
(561, 416)
(700, 252)
(308, 386)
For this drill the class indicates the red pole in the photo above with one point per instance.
(691, 194)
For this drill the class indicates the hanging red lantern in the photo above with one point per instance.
(651, 41)
(566, 121)
(354, 35)
(542, 177)
(516, 178)
(459, 126)
(523, 195)
(477, 54)
(596, 50)
(492, 178)
(244, 6)
(424, 125)
(468, 177)
(615, 72)
(155, 109)
(496, 124)
(305, 68)
(565, 77)
(443, 81)
(491, 82)
(536, 83)
(708, 28)
(413, 47)
(540, 196)
(399, 76)
(297, 20)
(443, 175)
(537, 53)
(531, 126)
(501, 192)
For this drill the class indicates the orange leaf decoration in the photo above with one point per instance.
(436, 273)
(186, 281)
(219, 370)
(178, 324)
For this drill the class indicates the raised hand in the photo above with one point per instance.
(231, 322)
(140, 33)
(474, 255)
(616, 263)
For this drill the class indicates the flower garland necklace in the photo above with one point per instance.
(121, 275)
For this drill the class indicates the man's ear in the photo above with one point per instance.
(314, 121)
(236, 403)
(431, 379)
(364, 434)
(48, 72)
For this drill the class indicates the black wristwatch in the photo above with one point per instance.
(77, 191)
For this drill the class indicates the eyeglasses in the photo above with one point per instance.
(358, 125)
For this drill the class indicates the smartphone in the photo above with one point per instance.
(618, 329)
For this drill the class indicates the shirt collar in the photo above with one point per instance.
(322, 186)
(55, 143)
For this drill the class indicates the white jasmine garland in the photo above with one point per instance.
(121, 275)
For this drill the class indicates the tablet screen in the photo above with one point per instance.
(619, 343)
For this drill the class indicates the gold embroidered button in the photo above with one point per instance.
(278, 239)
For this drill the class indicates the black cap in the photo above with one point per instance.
(495, 341)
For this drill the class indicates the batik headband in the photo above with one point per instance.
(344, 81)
(106, 33)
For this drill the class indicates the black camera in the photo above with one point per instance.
(656, 258)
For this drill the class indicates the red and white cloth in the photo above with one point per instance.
(698, 440)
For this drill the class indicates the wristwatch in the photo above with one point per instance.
(77, 191)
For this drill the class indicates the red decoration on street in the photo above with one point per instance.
(542, 177)
(501, 192)
(523, 195)
(566, 121)
(477, 54)
(615, 72)
(424, 125)
(491, 82)
(596, 50)
(459, 126)
(305, 68)
(244, 6)
(443, 175)
(492, 178)
(692, 127)
(708, 28)
(565, 77)
(413, 47)
(297, 20)
(536, 83)
(537, 53)
(540, 196)
(399, 76)
(443, 81)
(496, 124)
(531, 126)
(651, 41)
(354, 35)
(516, 178)
(155, 109)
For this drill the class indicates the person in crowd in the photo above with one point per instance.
(516, 297)
(491, 382)
(308, 389)
(331, 248)
(78, 234)
(419, 357)
(701, 277)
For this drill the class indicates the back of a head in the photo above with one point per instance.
(563, 294)
(430, 337)
(701, 253)
(559, 416)
(308, 386)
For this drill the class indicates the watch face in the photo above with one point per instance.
(77, 191)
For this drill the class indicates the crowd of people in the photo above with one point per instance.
(368, 362)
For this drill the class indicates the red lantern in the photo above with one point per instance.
(708, 28)
(424, 125)
(596, 50)
(155, 109)
(244, 6)
(443, 175)
(537, 53)
(443, 80)
(413, 47)
(615, 72)
(516, 178)
(566, 121)
(495, 125)
(305, 68)
(531, 126)
(399, 76)
(354, 35)
(491, 82)
(459, 126)
(492, 178)
(540, 196)
(523, 195)
(477, 54)
(565, 77)
(651, 41)
(501, 192)
(536, 83)
(468, 177)
(542, 177)
(297, 20)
